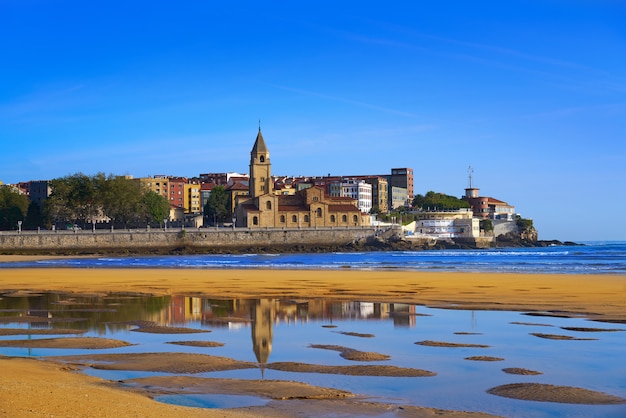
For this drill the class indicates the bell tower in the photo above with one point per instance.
(260, 168)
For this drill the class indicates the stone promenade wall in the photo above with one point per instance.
(208, 239)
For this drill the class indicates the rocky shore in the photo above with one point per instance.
(366, 244)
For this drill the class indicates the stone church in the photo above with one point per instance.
(308, 208)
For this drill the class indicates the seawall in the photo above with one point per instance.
(198, 240)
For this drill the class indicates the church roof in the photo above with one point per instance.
(343, 208)
(259, 144)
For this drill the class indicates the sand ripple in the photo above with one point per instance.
(365, 370)
(159, 362)
(69, 342)
(551, 393)
(352, 354)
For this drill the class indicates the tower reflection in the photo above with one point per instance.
(262, 313)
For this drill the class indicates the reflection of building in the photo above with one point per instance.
(403, 315)
(262, 314)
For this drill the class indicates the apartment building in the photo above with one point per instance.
(355, 189)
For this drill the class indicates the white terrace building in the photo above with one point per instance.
(447, 224)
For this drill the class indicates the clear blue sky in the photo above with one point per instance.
(532, 94)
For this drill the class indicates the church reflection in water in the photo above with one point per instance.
(262, 314)
(112, 313)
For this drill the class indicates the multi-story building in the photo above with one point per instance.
(221, 179)
(397, 197)
(192, 199)
(488, 207)
(355, 189)
(158, 184)
(38, 191)
(403, 178)
(176, 191)
(380, 192)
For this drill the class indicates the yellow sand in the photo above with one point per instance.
(597, 296)
(37, 388)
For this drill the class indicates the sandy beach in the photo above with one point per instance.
(35, 388)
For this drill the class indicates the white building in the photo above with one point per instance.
(447, 224)
(354, 189)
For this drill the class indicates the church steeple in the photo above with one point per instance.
(259, 144)
(260, 168)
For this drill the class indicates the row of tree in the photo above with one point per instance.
(80, 198)
(438, 201)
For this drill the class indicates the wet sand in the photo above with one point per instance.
(49, 388)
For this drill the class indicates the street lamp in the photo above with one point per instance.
(19, 227)
(234, 220)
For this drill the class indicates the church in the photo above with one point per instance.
(308, 208)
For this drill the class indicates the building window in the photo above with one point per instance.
(294, 218)
(332, 218)
(344, 218)
(306, 218)
(282, 219)
(262, 158)
(255, 220)
(268, 205)
(319, 212)
(355, 218)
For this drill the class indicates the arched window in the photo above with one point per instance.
(262, 158)
(344, 218)
(255, 220)
(268, 205)
(355, 218)
(294, 218)
(319, 212)
(282, 219)
(306, 218)
(332, 218)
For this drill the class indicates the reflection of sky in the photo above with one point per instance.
(460, 384)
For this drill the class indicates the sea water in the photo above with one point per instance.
(590, 258)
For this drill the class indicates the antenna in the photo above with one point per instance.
(259, 124)
(470, 171)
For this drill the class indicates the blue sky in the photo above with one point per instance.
(532, 94)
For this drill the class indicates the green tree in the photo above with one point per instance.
(34, 218)
(438, 201)
(156, 207)
(216, 207)
(74, 198)
(121, 199)
(486, 225)
(13, 207)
